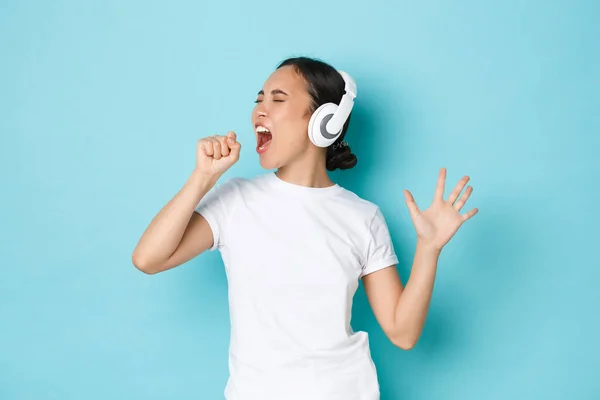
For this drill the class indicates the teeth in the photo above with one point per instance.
(261, 128)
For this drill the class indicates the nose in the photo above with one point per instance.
(260, 110)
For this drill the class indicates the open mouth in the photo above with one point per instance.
(264, 137)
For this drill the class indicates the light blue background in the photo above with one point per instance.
(101, 106)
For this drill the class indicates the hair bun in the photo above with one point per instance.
(339, 156)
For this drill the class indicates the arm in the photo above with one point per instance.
(401, 312)
(177, 233)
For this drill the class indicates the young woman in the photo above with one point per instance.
(295, 244)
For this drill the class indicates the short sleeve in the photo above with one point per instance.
(212, 208)
(380, 250)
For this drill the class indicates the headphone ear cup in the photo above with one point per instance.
(316, 126)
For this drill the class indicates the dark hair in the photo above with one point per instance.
(325, 85)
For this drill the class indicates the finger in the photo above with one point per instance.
(233, 144)
(439, 190)
(206, 145)
(231, 139)
(457, 189)
(463, 199)
(468, 215)
(411, 204)
(235, 148)
(224, 145)
(216, 148)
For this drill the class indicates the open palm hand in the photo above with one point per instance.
(437, 224)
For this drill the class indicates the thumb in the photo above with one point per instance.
(234, 145)
(411, 204)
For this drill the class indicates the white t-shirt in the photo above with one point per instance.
(293, 257)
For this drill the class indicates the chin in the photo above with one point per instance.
(266, 163)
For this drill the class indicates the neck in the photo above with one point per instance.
(309, 170)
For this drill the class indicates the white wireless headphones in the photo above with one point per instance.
(327, 122)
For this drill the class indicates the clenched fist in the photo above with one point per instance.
(216, 154)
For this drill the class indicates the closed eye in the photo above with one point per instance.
(273, 93)
(276, 101)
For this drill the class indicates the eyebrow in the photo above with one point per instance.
(273, 92)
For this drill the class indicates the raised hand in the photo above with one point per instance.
(436, 225)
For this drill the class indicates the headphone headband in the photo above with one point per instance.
(336, 123)
(350, 84)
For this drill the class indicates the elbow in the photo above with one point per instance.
(143, 265)
(404, 343)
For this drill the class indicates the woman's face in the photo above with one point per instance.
(283, 109)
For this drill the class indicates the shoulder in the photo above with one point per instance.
(246, 183)
(358, 205)
(241, 185)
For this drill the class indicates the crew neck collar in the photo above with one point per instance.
(300, 189)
